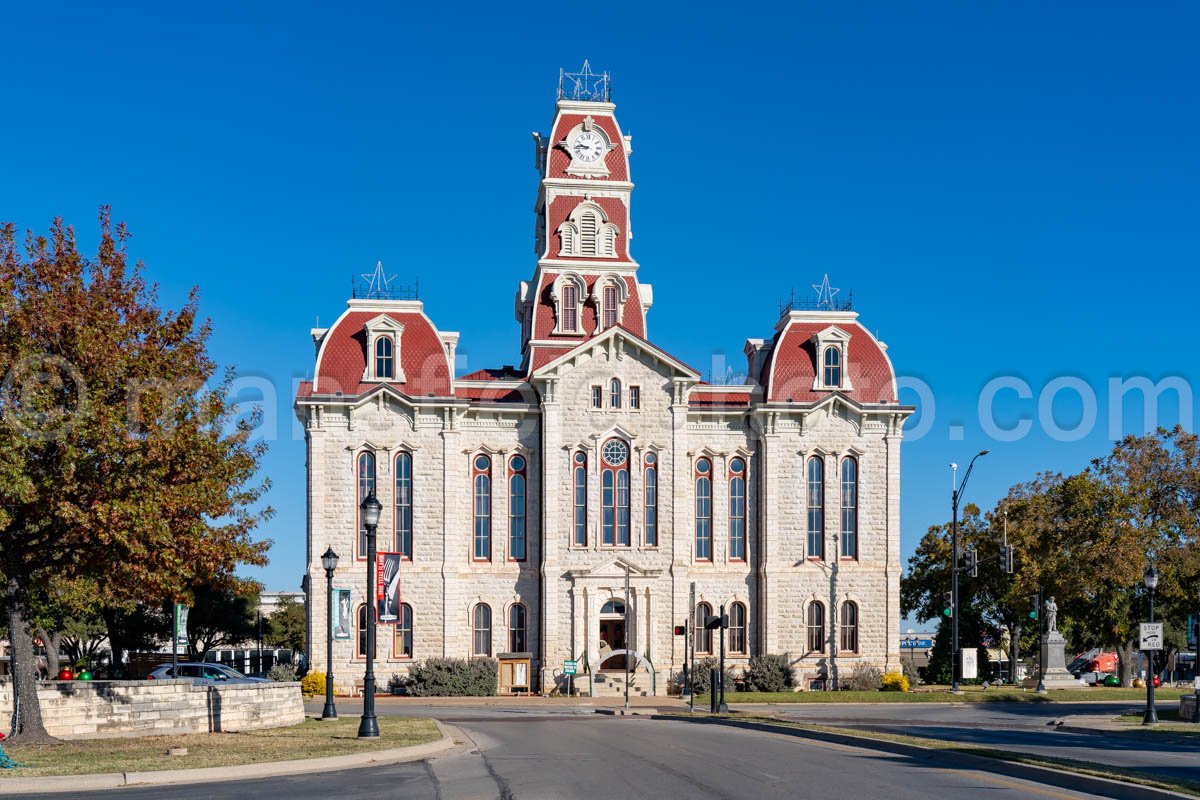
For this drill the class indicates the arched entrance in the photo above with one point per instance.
(612, 635)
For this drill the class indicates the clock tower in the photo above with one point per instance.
(586, 278)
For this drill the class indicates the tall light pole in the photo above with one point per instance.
(1150, 578)
(368, 728)
(1196, 666)
(954, 497)
(329, 561)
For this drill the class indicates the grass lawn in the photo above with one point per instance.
(1169, 722)
(311, 739)
(941, 694)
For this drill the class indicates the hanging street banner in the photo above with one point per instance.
(1151, 636)
(181, 637)
(387, 588)
(970, 663)
(339, 623)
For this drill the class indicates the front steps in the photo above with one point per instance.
(611, 683)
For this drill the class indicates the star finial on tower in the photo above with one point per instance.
(583, 85)
(377, 281)
(824, 293)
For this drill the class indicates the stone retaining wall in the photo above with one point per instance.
(100, 709)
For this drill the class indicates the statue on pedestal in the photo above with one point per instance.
(1051, 615)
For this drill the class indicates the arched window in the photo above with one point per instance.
(360, 651)
(587, 233)
(737, 510)
(737, 628)
(816, 627)
(613, 608)
(516, 629)
(849, 508)
(849, 627)
(816, 507)
(614, 494)
(704, 510)
(651, 500)
(481, 472)
(614, 393)
(610, 307)
(366, 486)
(383, 358)
(481, 623)
(570, 308)
(402, 642)
(516, 508)
(833, 366)
(703, 636)
(579, 513)
(404, 505)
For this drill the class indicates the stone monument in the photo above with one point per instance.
(1053, 661)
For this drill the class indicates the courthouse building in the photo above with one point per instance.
(522, 499)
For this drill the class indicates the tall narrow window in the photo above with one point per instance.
(614, 393)
(614, 494)
(588, 224)
(597, 397)
(516, 508)
(737, 628)
(651, 500)
(383, 358)
(833, 366)
(579, 516)
(635, 397)
(849, 627)
(816, 507)
(482, 487)
(516, 629)
(402, 643)
(570, 308)
(816, 627)
(704, 510)
(737, 510)
(849, 508)
(361, 650)
(703, 636)
(610, 306)
(481, 624)
(404, 507)
(366, 486)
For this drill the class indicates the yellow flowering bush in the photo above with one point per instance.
(893, 682)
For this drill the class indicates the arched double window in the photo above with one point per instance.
(366, 486)
(481, 625)
(402, 641)
(579, 510)
(848, 628)
(614, 494)
(703, 636)
(404, 505)
(816, 627)
(703, 510)
(516, 508)
(737, 628)
(833, 367)
(516, 629)
(481, 482)
(360, 649)
(849, 548)
(650, 509)
(737, 509)
(384, 369)
(816, 507)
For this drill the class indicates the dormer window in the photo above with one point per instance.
(833, 366)
(587, 233)
(570, 304)
(829, 349)
(610, 306)
(383, 358)
(609, 294)
(383, 342)
(568, 292)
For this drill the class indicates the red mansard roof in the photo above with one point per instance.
(543, 315)
(618, 168)
(343, 356)
(790, 370)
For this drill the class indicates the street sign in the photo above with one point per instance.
(1151, 637)
(569, 667)
(916, 644)
(970, 663)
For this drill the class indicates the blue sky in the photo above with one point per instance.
(1010, 190)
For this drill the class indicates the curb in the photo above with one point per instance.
(1074, 781)
(269, 769)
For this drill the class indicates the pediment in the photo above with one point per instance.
(618, 343)
(613, 568)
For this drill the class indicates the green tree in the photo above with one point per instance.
(121, 460)
(222, 615)
(288, 626)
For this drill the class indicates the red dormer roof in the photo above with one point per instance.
(790, 371)
(342, 359)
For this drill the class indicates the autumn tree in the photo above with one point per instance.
(288, 626)
(121, 459)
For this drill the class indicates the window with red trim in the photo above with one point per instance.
(481, 483)
(366, 486)
(704, 510)
(516, 507)
(614, 493)
(737, 509)
(579, 513)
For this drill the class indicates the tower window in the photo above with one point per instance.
(383, 358)
(610, 306)
(833, 367)
(570, 310)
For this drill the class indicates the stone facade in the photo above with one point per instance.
(105, 709)
(592, 392)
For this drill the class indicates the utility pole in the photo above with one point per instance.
(955, 494)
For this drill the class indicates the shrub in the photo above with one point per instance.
(893, 682)
(453, 677)
(702, 676)
(313, 684)
(863, 678)
(285, 673)
(910, 672)
(770, 673)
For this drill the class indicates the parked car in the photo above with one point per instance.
(203, 674)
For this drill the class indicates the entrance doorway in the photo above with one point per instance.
(612, 634)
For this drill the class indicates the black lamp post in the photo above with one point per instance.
(1196, 666)
(954, 497)
(1150, 578)
(329, 561)
(369, 727)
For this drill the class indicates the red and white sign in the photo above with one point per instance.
(387, 588)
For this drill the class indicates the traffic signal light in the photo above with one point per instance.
(973, 562)
(948, 604)
(681, 630)
(1006, 558)
(1033, 606)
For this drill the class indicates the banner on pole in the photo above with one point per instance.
(339, 623)
(387, 588)
(181, 637)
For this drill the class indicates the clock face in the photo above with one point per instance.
(587, 147)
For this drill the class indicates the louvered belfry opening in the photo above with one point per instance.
(587, 233)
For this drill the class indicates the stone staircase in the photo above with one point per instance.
(611, 683)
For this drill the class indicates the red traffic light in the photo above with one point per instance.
(681, 630)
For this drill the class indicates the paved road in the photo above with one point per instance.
(530, 757)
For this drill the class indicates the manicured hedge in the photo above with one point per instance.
(452, 677)
(770, 673)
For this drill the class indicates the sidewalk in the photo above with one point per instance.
(530, 701)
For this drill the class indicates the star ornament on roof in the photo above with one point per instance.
(377, 281)
(585, 84)
(824, 293)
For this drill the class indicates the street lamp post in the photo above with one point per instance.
(1150, 578)
(954, 497)
(329, 561)
(1196, 665)
(368, 728)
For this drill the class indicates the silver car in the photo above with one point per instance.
(203, 674)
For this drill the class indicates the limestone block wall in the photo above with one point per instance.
(102, 709)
